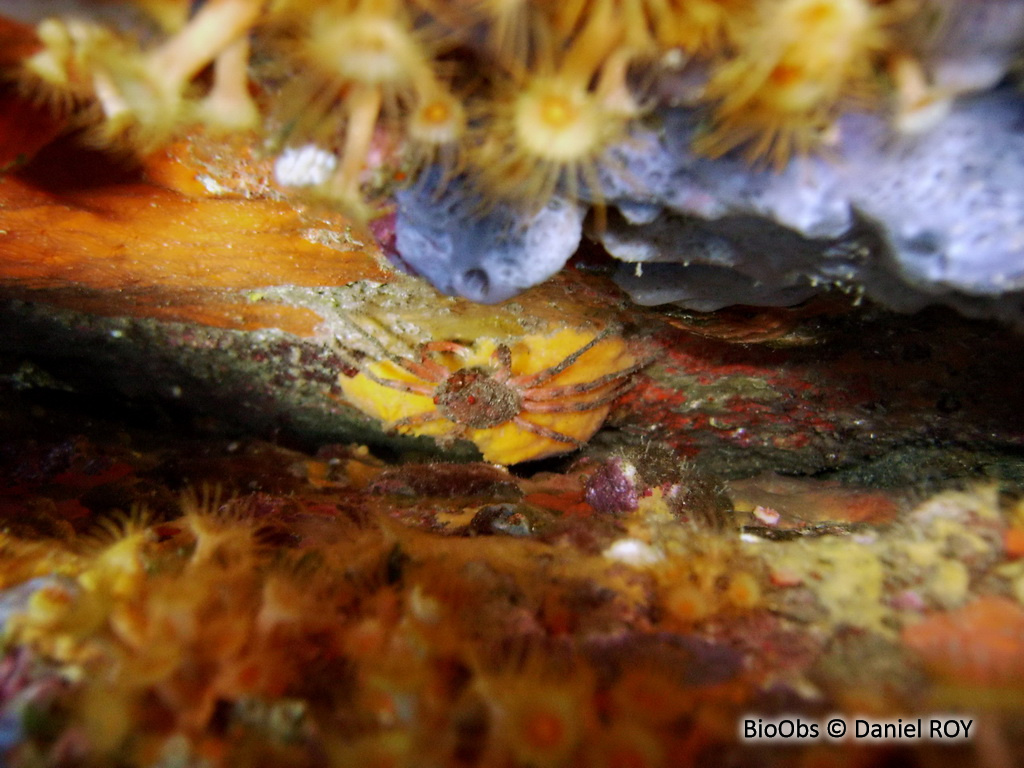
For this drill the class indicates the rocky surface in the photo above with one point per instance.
(209, 557)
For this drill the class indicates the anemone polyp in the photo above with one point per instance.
(558, 121)
(550, 138)
(435, 129)
(829, 40)
(55, 75)
(696, 26)
(549, 134)
(703, 26)
(364, 47)
(794, 65)
(357, 60)
(438, 120)
(510, 27)
(546, 128)
(539, 714)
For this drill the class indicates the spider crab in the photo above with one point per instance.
(526, 399)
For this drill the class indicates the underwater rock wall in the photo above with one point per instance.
(241, 523)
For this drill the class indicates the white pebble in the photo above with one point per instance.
(304, 166)
(634, 552)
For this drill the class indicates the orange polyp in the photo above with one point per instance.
(366, 43)
(794, 67)
(540, 715)
(49, 605)
(557, 122)
(550, 125)
(557, 112)
(511, 28)
(544, 731)
(358, 63)
(436, 112)
(436, 125)
(228, 106)
(784, 75)
(601, 35)
(375, 51)
(138, 98)
(364, 107)
(552, 132)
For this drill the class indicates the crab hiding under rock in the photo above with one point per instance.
(516, 399)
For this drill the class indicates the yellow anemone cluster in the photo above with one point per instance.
(303, 630)
(794, 68)
(136, 96)
(574, 408)
(525, 96)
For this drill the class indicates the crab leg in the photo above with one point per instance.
(504, 357)
(373, 340)
(402, 386)
(532, 406)
(550, 434)
(416, 419)
(445, 346)
(551, 393)
(426, 369)
(529, 380)
(437, 372)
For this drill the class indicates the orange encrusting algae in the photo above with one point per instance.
(977, 645)
(139, 249)
(139, 234)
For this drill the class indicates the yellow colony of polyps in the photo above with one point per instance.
(517, 400)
